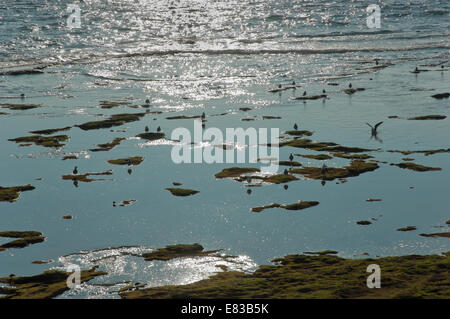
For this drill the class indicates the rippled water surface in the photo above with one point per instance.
(190, 57)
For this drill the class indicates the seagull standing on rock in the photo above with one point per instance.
(295, 126)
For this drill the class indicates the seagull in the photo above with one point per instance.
(376, 62)
(293, 82)
(75, 170)
(249, 191)
(147, 101)
(350, 85)
(374, 128)
(114, 204)
(286, 187)
(304, 93)
(417, 69)
(146, 129)
(129, 171)
(203, 115)
(129, 162)
(295, 126)
(323, 91)
(279, 86)
(22, 96)
(286, 172)
(291, 157)
(158, 129)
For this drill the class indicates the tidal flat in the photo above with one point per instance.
(89, 134)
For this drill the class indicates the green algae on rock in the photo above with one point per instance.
(296, 206)
(24, 239)
(151, 136)
(416, 167)
(108, 146)
(447, 235)
(177, 251)
(321, 253)
(323, 276)
(312, 97)
(51, 131)
(236, 171)
(20, 107)
(322, 146)
(85, 177)
(111, 104)
(10, 194)
(182, 191)
(355, 168)
(45, 141)
(428, 117)
(49, 284)
(425, 152)
(407, 228)
(319, 157)
(279, 179)
(288, 163)
(298, 133)
(135, 160)
(113, 120)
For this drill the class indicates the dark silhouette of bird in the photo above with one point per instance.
(22, 96)
(203, 125)
(286, 172)
(146, 129)
(291, 157)
(158, 129)
(350, 85)
(249, 191)
(279, 86)
(295, 126)
(323, 91)
(374, 128)
(114, 204)
(293, 82)
(417, 69)
(129, 162)
(376, 62)
(286, 187)
(147, 101)
(75, 170)
(203, 115)
(129, 171)
(324, 169)
(304, 93)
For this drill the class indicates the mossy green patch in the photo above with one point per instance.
(417, 167)
(20, 107)
(235, 172)
(113, 120)
(135, 160)
(296, 206)
(85, 177)
(279, 178)
(407, 228)
(312, 97)
(182, 191)
(319, 157)
(49, 284)
(46, 141)
(24, 239)
(322, 146)
(151, 136)
(108, 146)
(323, 276)
(111, 104)
(10, 194)
(428, 117)
(177, 251)
(446, 235)
(355, 168)
(51, 131)
(288, 163)
(299, 133)
(425, 152)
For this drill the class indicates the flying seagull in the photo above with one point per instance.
(374, 128)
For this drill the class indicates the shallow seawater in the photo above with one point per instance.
(190, 57)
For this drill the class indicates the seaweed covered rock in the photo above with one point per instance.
(46, 141)
(113, 120)
(300, 276)
(24, 239)
(416, 167)
(235, 172)
(355, 168)
(108, 146)
(182, 191)
(49, 284)
(135, 160)
(177, 251)
(10, 194)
